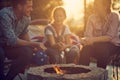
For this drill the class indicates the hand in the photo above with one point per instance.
(42, 46)
(39, 46)
(89, 41)
(83, 41)
(86, 41)
(61, 46)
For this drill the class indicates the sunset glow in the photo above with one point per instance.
(75, 12)
(74, 8)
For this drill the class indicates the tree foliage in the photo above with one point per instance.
(43, 8)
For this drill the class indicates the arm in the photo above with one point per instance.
(89, 41)
(113, 27)
(88, 31)
(7, 31)
(112, 24)
(59, 45)
(99, 39)
(51, 40)
(21, 42)
(89, 27)
(68, 41)
(50, 37)
(67, 37)
(9, 35)
(25, 37)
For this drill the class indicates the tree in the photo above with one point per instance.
(43, 8)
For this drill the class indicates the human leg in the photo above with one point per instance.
(54, 56)
(2, 57)
(85, 55)
(73, 55)
(21, 56)
(104, 50)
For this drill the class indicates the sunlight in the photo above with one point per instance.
(74, 8)
(88, 1)
(75, 11)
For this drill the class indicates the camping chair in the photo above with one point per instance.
(115, 62)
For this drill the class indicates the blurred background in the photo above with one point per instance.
(77, 11)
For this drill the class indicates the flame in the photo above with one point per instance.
(58, 70)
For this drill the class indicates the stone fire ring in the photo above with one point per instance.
(94, 73)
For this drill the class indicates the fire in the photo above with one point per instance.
(58, 70)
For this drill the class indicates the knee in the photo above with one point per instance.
(53, 55)
(26, 53)
(51, 52)
(86, 51)
(74, 51)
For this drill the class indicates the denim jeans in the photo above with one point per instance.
(21, 57)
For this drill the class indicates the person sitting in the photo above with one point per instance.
(14, 36)
(101, 40)
(58, 40)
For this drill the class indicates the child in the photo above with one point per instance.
(58, 39)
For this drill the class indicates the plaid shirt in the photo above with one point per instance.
(10, 28)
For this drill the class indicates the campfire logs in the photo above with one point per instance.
(69, 72)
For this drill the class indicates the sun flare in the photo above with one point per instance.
(75, 11)
(74, 8)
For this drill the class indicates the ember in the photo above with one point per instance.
(58, 70)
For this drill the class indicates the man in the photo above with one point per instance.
(14, 35)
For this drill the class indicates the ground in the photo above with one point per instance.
(109, 68)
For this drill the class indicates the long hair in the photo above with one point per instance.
(99, 4)
(56, 9)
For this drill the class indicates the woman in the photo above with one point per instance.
(100, 35)
(58, 39)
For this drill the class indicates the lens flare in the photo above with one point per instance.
(74, 8)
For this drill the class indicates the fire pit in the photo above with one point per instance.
(66, 72)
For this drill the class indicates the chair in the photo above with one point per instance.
(115, 62)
